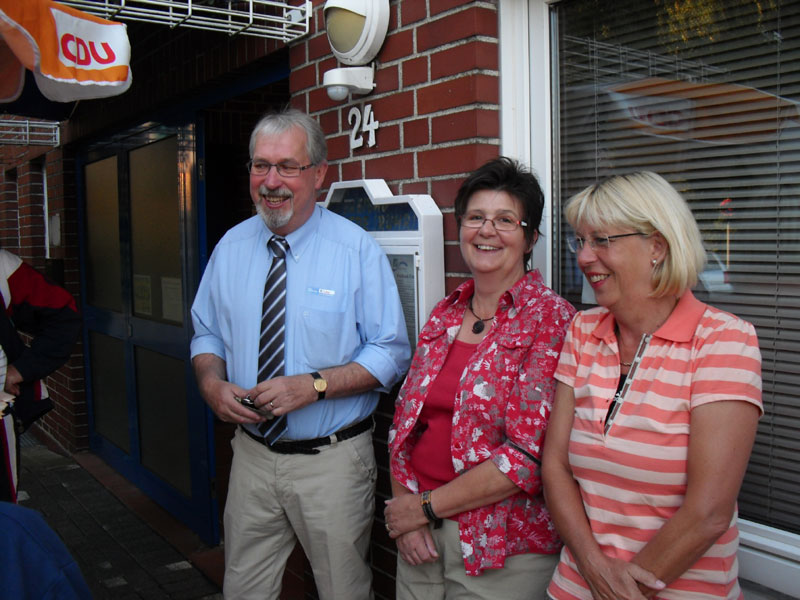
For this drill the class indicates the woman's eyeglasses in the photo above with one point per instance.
(596, 242)
(499, 223)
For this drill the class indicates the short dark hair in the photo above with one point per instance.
(505, 174)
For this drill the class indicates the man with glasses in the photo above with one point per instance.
(298, 326)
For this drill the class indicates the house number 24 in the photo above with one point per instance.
(362, 124)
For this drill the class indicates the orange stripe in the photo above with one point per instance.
(640, 461)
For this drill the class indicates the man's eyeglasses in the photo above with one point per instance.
(499, 223)
(601, 242)
(262, 167)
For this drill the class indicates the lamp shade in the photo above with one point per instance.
(356, 28)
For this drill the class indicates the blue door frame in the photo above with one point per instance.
(196, 506)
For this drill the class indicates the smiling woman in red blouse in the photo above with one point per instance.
(467, 511)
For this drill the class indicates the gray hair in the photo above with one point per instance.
(276, 123)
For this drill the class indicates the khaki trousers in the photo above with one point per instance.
(325, 500)
(524, 576)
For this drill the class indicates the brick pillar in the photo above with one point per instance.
(437, 101)
(9, 225)
(68, 424)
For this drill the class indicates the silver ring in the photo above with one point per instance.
(271, 405)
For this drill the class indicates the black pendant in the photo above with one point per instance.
(477, 327)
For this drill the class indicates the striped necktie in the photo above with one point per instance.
(273, 317)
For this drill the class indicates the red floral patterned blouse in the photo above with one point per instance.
(501, 409)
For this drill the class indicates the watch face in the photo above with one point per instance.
(320, 385)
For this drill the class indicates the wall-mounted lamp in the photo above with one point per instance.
(356, 30)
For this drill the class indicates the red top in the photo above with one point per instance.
(430, 458)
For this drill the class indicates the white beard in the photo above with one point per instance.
(275, 219)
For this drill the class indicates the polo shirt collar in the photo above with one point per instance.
(679, 326)
(682, 323)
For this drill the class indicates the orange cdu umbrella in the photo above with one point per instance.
(71, 54)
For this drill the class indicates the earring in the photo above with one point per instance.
(655, 262)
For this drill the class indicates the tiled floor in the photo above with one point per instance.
(127, 547)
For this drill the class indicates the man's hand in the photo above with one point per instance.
(13, 379)
(219, 394)
(222, 396)
(284, 394)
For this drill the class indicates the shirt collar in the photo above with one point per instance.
(511, 297)
(300, 238)
(679, 326)
(684, 319)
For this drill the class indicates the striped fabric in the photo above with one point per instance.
(633, 479)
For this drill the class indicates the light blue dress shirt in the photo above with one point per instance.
(342, 305)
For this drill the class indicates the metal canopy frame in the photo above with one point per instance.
(261, 18)
(29, 133)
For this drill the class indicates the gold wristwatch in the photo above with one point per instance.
(320, 385)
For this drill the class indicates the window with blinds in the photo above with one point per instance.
(707, 94)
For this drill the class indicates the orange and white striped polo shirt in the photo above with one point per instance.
(633, 478)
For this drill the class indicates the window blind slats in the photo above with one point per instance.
(711, 101)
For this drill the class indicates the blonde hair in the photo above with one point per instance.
(646, 202)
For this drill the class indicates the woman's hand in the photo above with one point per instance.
(13, 380)
(616, 579)
(404, 514)
(417, 547)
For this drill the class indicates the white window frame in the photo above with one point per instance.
(525, 106)
(767, 556)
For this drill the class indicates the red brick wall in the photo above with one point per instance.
(22, 231)
(436, 99)
(9, 229)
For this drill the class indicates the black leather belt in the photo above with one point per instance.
(310, 446)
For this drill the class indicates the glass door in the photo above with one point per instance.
(140, 273)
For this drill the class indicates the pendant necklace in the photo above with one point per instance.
(477, 326)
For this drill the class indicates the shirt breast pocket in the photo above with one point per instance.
(512, 349)
(327, 334)
(507, 359)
